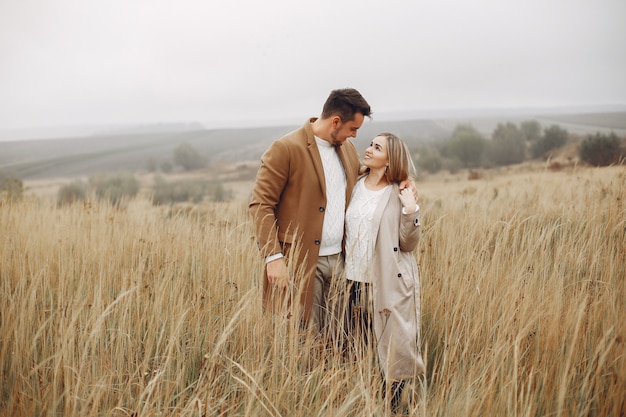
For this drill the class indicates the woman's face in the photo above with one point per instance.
(376, 154)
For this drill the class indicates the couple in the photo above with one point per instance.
(309, 185)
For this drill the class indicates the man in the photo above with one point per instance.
(302, 189)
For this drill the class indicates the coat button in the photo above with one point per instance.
(399, 275)
(395, 249)
(321, 209)
(317, 241)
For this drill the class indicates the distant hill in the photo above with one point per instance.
(129, 149)
(48, 158)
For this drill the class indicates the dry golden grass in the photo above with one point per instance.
(144, 311)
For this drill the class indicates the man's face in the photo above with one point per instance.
(344, 130)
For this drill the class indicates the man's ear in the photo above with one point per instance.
(335, 121)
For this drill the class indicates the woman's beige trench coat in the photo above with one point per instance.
(396, 288)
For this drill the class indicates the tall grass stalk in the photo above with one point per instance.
(141, 311)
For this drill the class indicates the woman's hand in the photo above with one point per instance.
(408, 183)
(408, 200)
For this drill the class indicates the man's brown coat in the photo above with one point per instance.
(288, 207)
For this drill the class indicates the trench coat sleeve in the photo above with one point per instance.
(409, 231)
(271, 180)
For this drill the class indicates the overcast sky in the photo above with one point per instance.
(79, 62)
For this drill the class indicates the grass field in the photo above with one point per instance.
(148, 311)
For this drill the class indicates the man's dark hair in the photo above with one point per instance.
(345, 103)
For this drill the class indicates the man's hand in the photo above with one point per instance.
(408, 183)
(277, 273)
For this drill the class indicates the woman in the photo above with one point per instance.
(382, 230)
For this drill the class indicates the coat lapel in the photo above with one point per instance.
(350, 179)
(378, 214)
(314, 152)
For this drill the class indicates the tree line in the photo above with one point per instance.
(512, 144)
(116, 187)
(466, 148)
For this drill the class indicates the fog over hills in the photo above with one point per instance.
(78, 130)
(86, 150)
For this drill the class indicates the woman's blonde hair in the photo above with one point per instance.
(401, 165)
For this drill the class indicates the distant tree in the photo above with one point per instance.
(508, 145)
(601, 149)
(219, 193)
(188, 157)
(453, 165)
(166, 167)
(151, 164)
(531, 129)
(429, 159)
(11, 187)
(115, 187)
(72, 192)
(164, 192)
(553, 137)
(467, 145)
